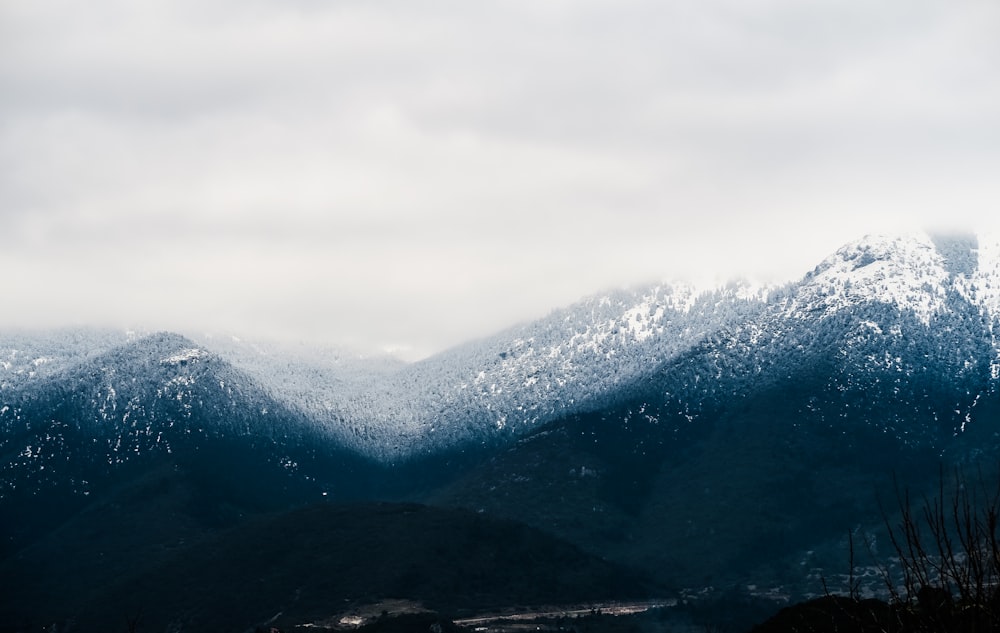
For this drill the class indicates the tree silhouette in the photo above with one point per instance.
(944, 576)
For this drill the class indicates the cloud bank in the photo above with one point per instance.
(414, 174)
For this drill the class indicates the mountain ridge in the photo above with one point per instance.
(728, 437)
(579, 357)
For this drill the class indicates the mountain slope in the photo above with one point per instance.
(484, 393)
(158, 400)
(915, 305)
(775, 435)
(315, 563)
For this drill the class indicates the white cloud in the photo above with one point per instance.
(309, 168)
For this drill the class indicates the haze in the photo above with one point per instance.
(410, 175)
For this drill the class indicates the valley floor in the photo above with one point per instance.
(389, 616)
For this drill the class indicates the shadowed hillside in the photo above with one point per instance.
(313, 563)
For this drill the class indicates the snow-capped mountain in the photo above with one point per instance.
(910, 320)
(158, 399)
(774, 435)
(491, 390)
(912, 306)
(572, 360)
(687, 432)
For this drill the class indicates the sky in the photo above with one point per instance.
(409, 175)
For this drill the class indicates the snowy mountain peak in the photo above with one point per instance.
(913, 272)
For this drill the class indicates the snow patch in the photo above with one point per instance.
(184, 356)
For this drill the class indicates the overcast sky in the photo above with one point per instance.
(411, 174)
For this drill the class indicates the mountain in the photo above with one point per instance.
(729, 437)
(486, 393)
(152, 403)
(894, 318)
(879, 299)
(774, 437)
